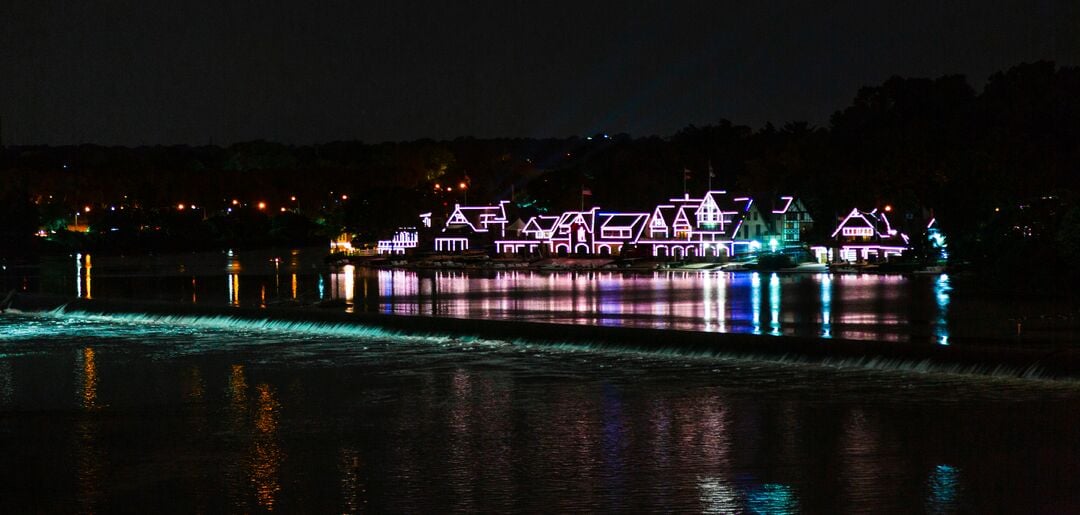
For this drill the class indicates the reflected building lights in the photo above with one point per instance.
(89, 456)
(941, 296)
(774, 304)
(89, 379)
(772, 498)
(293, 284)
(89, 266)
(233, 292)
(266, 454)
(826, 305)
(755, 301)
(352, 487)
(944, 490)
(349, 281)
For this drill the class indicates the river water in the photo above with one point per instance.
(125, 413)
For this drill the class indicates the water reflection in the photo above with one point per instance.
(353, 492)
(774, 304)
(83, 283)
(772, 498)
(235, 475)
(90, 458)
(944, 490)
(874, 307)
(755, 301)
(266, 453)
(859, 306)
(941, 296)
(233, 289)
(826, 305)
(89, 379)
(7, 382)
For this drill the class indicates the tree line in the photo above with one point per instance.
(974, 157)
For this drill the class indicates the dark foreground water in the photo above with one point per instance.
(119, 414)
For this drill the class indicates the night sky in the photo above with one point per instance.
(135, 72)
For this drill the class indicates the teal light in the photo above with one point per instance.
(772, 498)
(755, 246)
(773, 244)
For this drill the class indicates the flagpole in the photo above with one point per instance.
(710, 174)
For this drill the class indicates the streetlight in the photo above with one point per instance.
(464, 187)
(262, 206)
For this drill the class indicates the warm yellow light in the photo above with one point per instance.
(888, 208)
(461, 185)
(282, 210)
(262, 205)
(235, 202)
(180, 207)
(293, 198)
(448, 188)
(344, 197)
(437, 185)
(86, 209)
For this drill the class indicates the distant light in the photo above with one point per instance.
(461, 185)
(282, 210)
(235, 202)
(180, 207)
(86, 209)
(772, 244)
(888, 208)
(262, 206)
(344, 197)
(437, 186)
(997, 209)
(112, 208)
(293, 198)
(448, 188)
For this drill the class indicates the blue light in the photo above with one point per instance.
(826, 306)
(755, 300)
(772, 498)
(774, 304)
(941, 295)
(944, 490)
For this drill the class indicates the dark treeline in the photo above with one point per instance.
(995, 166)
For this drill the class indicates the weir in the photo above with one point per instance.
(1035, 360)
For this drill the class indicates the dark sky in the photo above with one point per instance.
(301, 71)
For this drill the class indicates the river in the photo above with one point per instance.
(118, 413)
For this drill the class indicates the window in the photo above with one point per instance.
(858, 231)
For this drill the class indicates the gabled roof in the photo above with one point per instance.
(477, 218)
(681, 216)
(665, 213)
(541, 223)
(708, 204)
(570, 218)
(874, 220)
